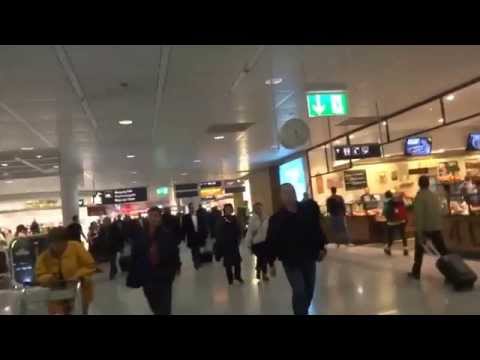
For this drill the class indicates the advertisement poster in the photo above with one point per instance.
(293, 172)
(319, 182)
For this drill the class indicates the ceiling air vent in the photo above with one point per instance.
(228, 128)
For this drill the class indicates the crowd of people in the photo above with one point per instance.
(292, 236)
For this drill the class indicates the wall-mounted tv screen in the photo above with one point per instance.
(473, 142)
(293, 172)
(418, 146)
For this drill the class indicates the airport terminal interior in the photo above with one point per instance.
(239, 179)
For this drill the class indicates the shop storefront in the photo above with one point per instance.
(438, 138)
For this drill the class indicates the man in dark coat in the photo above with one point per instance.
(228, 242)
(154, 262)
(195, 229)
(296, 238)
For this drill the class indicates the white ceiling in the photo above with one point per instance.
(169, 134)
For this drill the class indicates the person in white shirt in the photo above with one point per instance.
(255, 238)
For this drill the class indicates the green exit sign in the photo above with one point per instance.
(327, 104)
(162, 191)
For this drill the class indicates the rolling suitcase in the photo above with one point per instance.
(455, 270)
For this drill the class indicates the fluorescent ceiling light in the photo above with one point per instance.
(9, 182)
(131, 156)
(39, 156)
(134, 182)
(27, 148)
(220, 137)
(197, 161)
(450, 97)
(4, 164)
(273, 81)
(55, 166)
(184, 174)
(125, 122)
(133, 172)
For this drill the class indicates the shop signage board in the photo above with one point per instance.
(210, 189)
(355, 179)
(234, 186)
(358, 151)
(324, 103)
(120, 196)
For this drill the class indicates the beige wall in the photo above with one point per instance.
(261, 189)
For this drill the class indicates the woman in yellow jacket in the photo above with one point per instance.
(65, 260)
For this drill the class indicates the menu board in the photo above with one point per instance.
(119, 196)
(355, 179)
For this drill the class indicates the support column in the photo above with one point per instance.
(70, 167)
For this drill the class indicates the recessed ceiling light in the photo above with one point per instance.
(450, 97)
(131, 156)
(125, 122)
(352, 136)
(134, 182)
(273, 81)
(9, 182)
(384, 123)
(197, 161)
(220, 137)
(440, 120)
(184, 174)
(4, 165)
(39, 156)
(27, 148)
(133, 172)
(55, 166)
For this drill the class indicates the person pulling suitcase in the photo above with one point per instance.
(428, 226)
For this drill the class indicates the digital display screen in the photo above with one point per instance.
(473, 142)
(418, 146)
(293, 172)
(360, 151)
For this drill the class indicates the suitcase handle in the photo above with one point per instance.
(430, 248)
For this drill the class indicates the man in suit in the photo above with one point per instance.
(195, 229)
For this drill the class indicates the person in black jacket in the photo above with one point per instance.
(116, 238)
(296, 238)
(228, 241)
(173, 224)
(195, 228)
(154, 262)
(337, 210)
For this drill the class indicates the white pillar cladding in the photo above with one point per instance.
(70, 166)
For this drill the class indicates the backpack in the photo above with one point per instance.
(399, 211)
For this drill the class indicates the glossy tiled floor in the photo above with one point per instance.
(360, 280)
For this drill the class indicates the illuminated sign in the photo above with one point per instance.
(234, 186)
(162, 191)
(210, 189)
(333, 103)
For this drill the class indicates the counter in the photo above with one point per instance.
(462, 234)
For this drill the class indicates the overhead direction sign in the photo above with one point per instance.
(320, 103)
